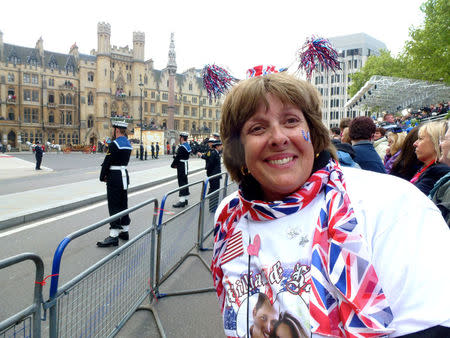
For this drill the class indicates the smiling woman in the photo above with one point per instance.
(308, 236)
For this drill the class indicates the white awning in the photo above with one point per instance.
(392, 94)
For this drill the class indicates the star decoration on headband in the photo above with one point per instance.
(318, 52)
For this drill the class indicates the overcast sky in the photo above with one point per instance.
(235, 34)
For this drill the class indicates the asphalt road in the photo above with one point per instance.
(42, 237)
(69, 168)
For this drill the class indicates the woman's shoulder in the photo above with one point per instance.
(382, 189)
(437, 169)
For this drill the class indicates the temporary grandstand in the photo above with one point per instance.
(391, 94)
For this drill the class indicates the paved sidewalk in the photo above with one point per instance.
(30, 205)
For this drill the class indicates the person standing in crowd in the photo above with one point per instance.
(380, 142)
(173, 149)
(114, 172)
(180, 162)
(38, 153)
(341, 242)
(168, 148)
(207, 152)
(428, 152)
(407, 164)
(335, 133)
(153, 150)
(361, 131)
(440, 194)
(395, 140)
(212, 168)
(156, 150)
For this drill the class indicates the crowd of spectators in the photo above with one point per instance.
(418, 153)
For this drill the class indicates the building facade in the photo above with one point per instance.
(70, 98)
(353, 51)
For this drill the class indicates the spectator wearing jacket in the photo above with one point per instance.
(361, 131)
(395, 141)
(428, 152)
(380, 142)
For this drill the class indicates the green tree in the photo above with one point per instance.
(425, 57)
(427, 54)
(384, 65)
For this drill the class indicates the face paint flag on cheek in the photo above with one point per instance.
(306, 136)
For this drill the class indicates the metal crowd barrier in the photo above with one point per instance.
(26, 323)
(177, 237)
(100, 300)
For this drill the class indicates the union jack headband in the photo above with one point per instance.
(262, 70)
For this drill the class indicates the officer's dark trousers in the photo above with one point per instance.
(117, 202)
(182, 180)
(214, 185)
(38, 162)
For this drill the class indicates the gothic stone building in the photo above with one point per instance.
(70, 98)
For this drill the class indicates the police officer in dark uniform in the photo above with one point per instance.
(153, 150)
(206, 151)
(213, 167)
(156, 150)
(38, 154)
(114, 172)
(180, 162)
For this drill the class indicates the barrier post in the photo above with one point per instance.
(35, 308)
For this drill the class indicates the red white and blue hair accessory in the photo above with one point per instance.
(217, 80)
(262, 70)
(318, 52)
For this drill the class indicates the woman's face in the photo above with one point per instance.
(278, 149)
(424, 148)
(445, 148)
(283, 331)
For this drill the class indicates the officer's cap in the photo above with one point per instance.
(217, 143)
(216, 134)
(183, 133)
(119, 123)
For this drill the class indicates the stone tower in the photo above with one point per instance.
(103, 38)
(138, 46)
(172, 69)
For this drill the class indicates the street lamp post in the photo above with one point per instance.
(141, 147)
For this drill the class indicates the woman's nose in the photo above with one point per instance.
(278, 136)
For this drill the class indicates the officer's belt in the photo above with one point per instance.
(185, 166)
(123, 169)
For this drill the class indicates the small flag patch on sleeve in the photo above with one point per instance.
(234, 248)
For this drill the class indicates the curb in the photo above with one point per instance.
(33, 216)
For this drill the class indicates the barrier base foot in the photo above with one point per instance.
(155, 315)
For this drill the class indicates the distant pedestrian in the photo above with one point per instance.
(180, 162)
(153, 150)
(114, 172)
(168, 148)
(212, 168)
(156, 150)
(173, 149)
(38, 152)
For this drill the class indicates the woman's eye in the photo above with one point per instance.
(292, 120)
(255, 129)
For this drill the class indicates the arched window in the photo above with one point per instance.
(90, 99)
(61, 117)
(190, 86)
(62, 138)
(75, 138)
(62, 99)
(105, 109)
(68, 99)
(11, 115)
(90, 77)
(51, 117)
(125, 107)
(69, 117)
(90, 121)
(145, 79)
